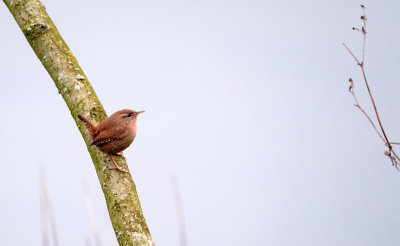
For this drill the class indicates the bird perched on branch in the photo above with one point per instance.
(114, 134)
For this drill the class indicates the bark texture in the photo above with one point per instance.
(119, 189)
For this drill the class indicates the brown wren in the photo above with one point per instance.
(114, 134)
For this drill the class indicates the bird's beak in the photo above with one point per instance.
(140, 112)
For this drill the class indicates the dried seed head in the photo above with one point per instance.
(351, 85)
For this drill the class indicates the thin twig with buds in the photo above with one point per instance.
(394, 158)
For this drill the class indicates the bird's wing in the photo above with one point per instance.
(103, 141)
(106, 135)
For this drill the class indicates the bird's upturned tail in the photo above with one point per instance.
(91, 128)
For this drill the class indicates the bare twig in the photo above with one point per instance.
(351, 89)
(351, 53)
(43, 210)
(47, 212)
(179, 210)
(90, 211)
(394, 158)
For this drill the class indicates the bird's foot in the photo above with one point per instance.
(116, 166)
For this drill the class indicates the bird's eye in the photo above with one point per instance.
(130, 114)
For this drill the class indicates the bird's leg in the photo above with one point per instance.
(116, 166)
(120, 154)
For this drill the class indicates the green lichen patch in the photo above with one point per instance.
(80, 77)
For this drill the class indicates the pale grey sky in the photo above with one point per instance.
(246, 102)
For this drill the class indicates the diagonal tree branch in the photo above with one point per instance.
(119, 189)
